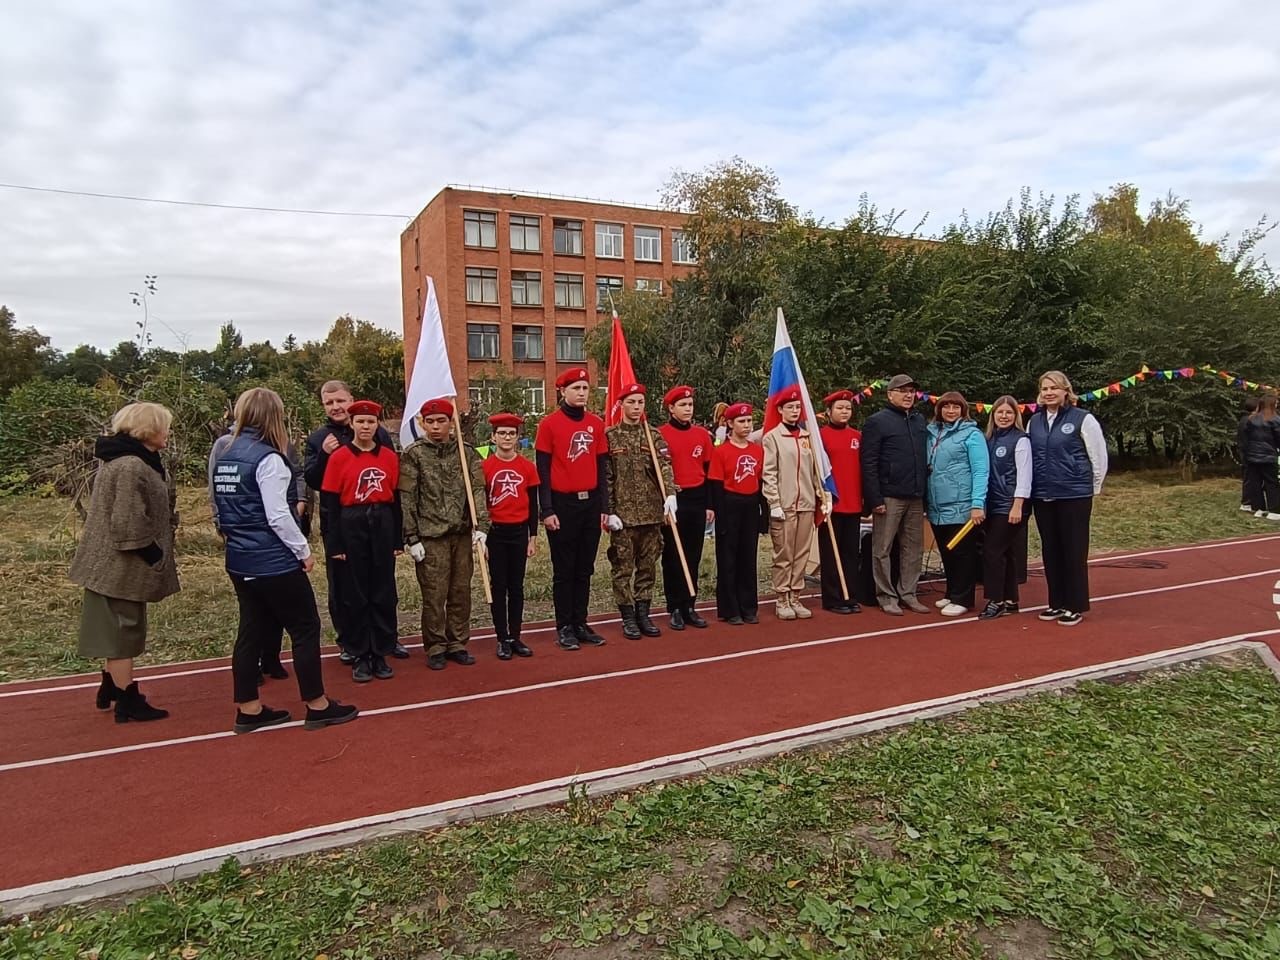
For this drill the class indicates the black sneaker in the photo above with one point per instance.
(520, 649)
(266, 717)
(332, 715)
(1053, 613)
(346, 658)
(504, 649)
(1011, 606)
(1069, 619)
(362, 672)
(567, 639)
(381, 669)
(735, 620)
(435, 661)
(750, 618)
(585, 634)
(399, 651)
(992, 610)
(275, 671)
(460, 656)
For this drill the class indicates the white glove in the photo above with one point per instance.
(613, 523)
(669, 506)
(776, 513)
(418, 552)
(826, 504)
(478, 538)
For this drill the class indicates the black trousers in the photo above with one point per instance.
(1064, 544)
(508, 544)
(268, 606)
(368, 576)
(961, 565)
(847, 527)
(1261, 486)
(1004, 557)
(691, 527)
(573, 555)
(737, 545)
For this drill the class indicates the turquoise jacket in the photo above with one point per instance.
(958, 471)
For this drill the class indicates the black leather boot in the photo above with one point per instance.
(132, 705)
(108, 692)
(585, 634)
(647, 626)
(630, 628)
(677, 618)
(691, 617)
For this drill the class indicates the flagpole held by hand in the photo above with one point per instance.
(669, 518)
(481, 559)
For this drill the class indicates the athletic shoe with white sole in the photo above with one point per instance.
(1069, 619)
(954, 610)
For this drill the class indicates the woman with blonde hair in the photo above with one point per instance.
(1068, 465)
(125, 556)
(1004, 554)
(268, 560)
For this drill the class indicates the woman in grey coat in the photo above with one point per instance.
(125, 558)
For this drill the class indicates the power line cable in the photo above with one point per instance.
(201, 203)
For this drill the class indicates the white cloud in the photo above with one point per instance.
(375, 106)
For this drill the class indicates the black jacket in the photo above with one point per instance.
(894, 463)
(1259, 440)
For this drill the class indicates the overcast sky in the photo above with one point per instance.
(929, 107)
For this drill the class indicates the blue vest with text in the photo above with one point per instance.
(1004, 472)
(253, 549)
(1060, 465)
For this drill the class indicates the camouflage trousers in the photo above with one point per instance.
(444, 577)
(633, 554)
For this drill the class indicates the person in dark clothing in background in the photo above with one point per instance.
(1259, 439)
(336, 397)
(894, 473)
(1250, 406)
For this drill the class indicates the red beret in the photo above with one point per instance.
(631, 388)
(506, 420)
(786, 396)
(831, 398)
(364, 408)
(572, 376)
(437, 407)
(678, 393)
(736, 410)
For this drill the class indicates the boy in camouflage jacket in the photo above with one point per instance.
(439, 533)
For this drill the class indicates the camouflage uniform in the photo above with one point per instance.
(634, 550)
(434, 501)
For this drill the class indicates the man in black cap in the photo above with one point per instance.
(894, 474)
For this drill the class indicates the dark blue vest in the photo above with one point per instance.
(1004, 471)
(253, 549)
(1060, 465)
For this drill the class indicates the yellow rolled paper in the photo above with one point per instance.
(960, 535)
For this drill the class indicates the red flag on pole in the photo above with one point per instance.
(620, 374)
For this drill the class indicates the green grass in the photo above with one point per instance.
(1120, 820)
(40, 607)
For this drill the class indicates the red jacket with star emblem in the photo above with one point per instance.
(362, 477)
(738, 468)
(510, 486)
(573, 446)
(843, 449)
(690, 449)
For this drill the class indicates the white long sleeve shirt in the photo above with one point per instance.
(1095, 446)
(274, 476)
(1022, 469)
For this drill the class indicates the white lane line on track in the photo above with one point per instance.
(654, 765)
(595, 677)
(223, 663)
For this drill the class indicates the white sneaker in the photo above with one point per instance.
(944, 602)
(1246, 508)
(954, 610)
(1273, 516)
(1260, 514)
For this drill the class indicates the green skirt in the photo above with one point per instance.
(111, 628)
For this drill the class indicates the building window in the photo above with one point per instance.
(567, 237)
(609, 240)
(570, 344)
(649, 244)
(535, 392)
(605, 287)
(482, 285)
(525, 233)
(526, 343)
(526, 288)
(569, 290)
(482, 393)
(482, 341)
(648, 285)
(681, 248)
(479, 228)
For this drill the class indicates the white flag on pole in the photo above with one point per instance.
(431, 376)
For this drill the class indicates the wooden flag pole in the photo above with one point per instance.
(671, 521)
(480, 553)
(828, 522)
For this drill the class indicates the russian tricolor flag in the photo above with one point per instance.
(784, 375)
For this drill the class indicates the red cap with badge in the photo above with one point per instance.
(631, 388)
(736, 410)
(831, 398)
(440, 406)
(364, 408)
(572, 376)
(512, 420)
(678, 393)
(791, 394)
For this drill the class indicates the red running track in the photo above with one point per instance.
(85, 795)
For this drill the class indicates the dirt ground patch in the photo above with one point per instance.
(1018, 940)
